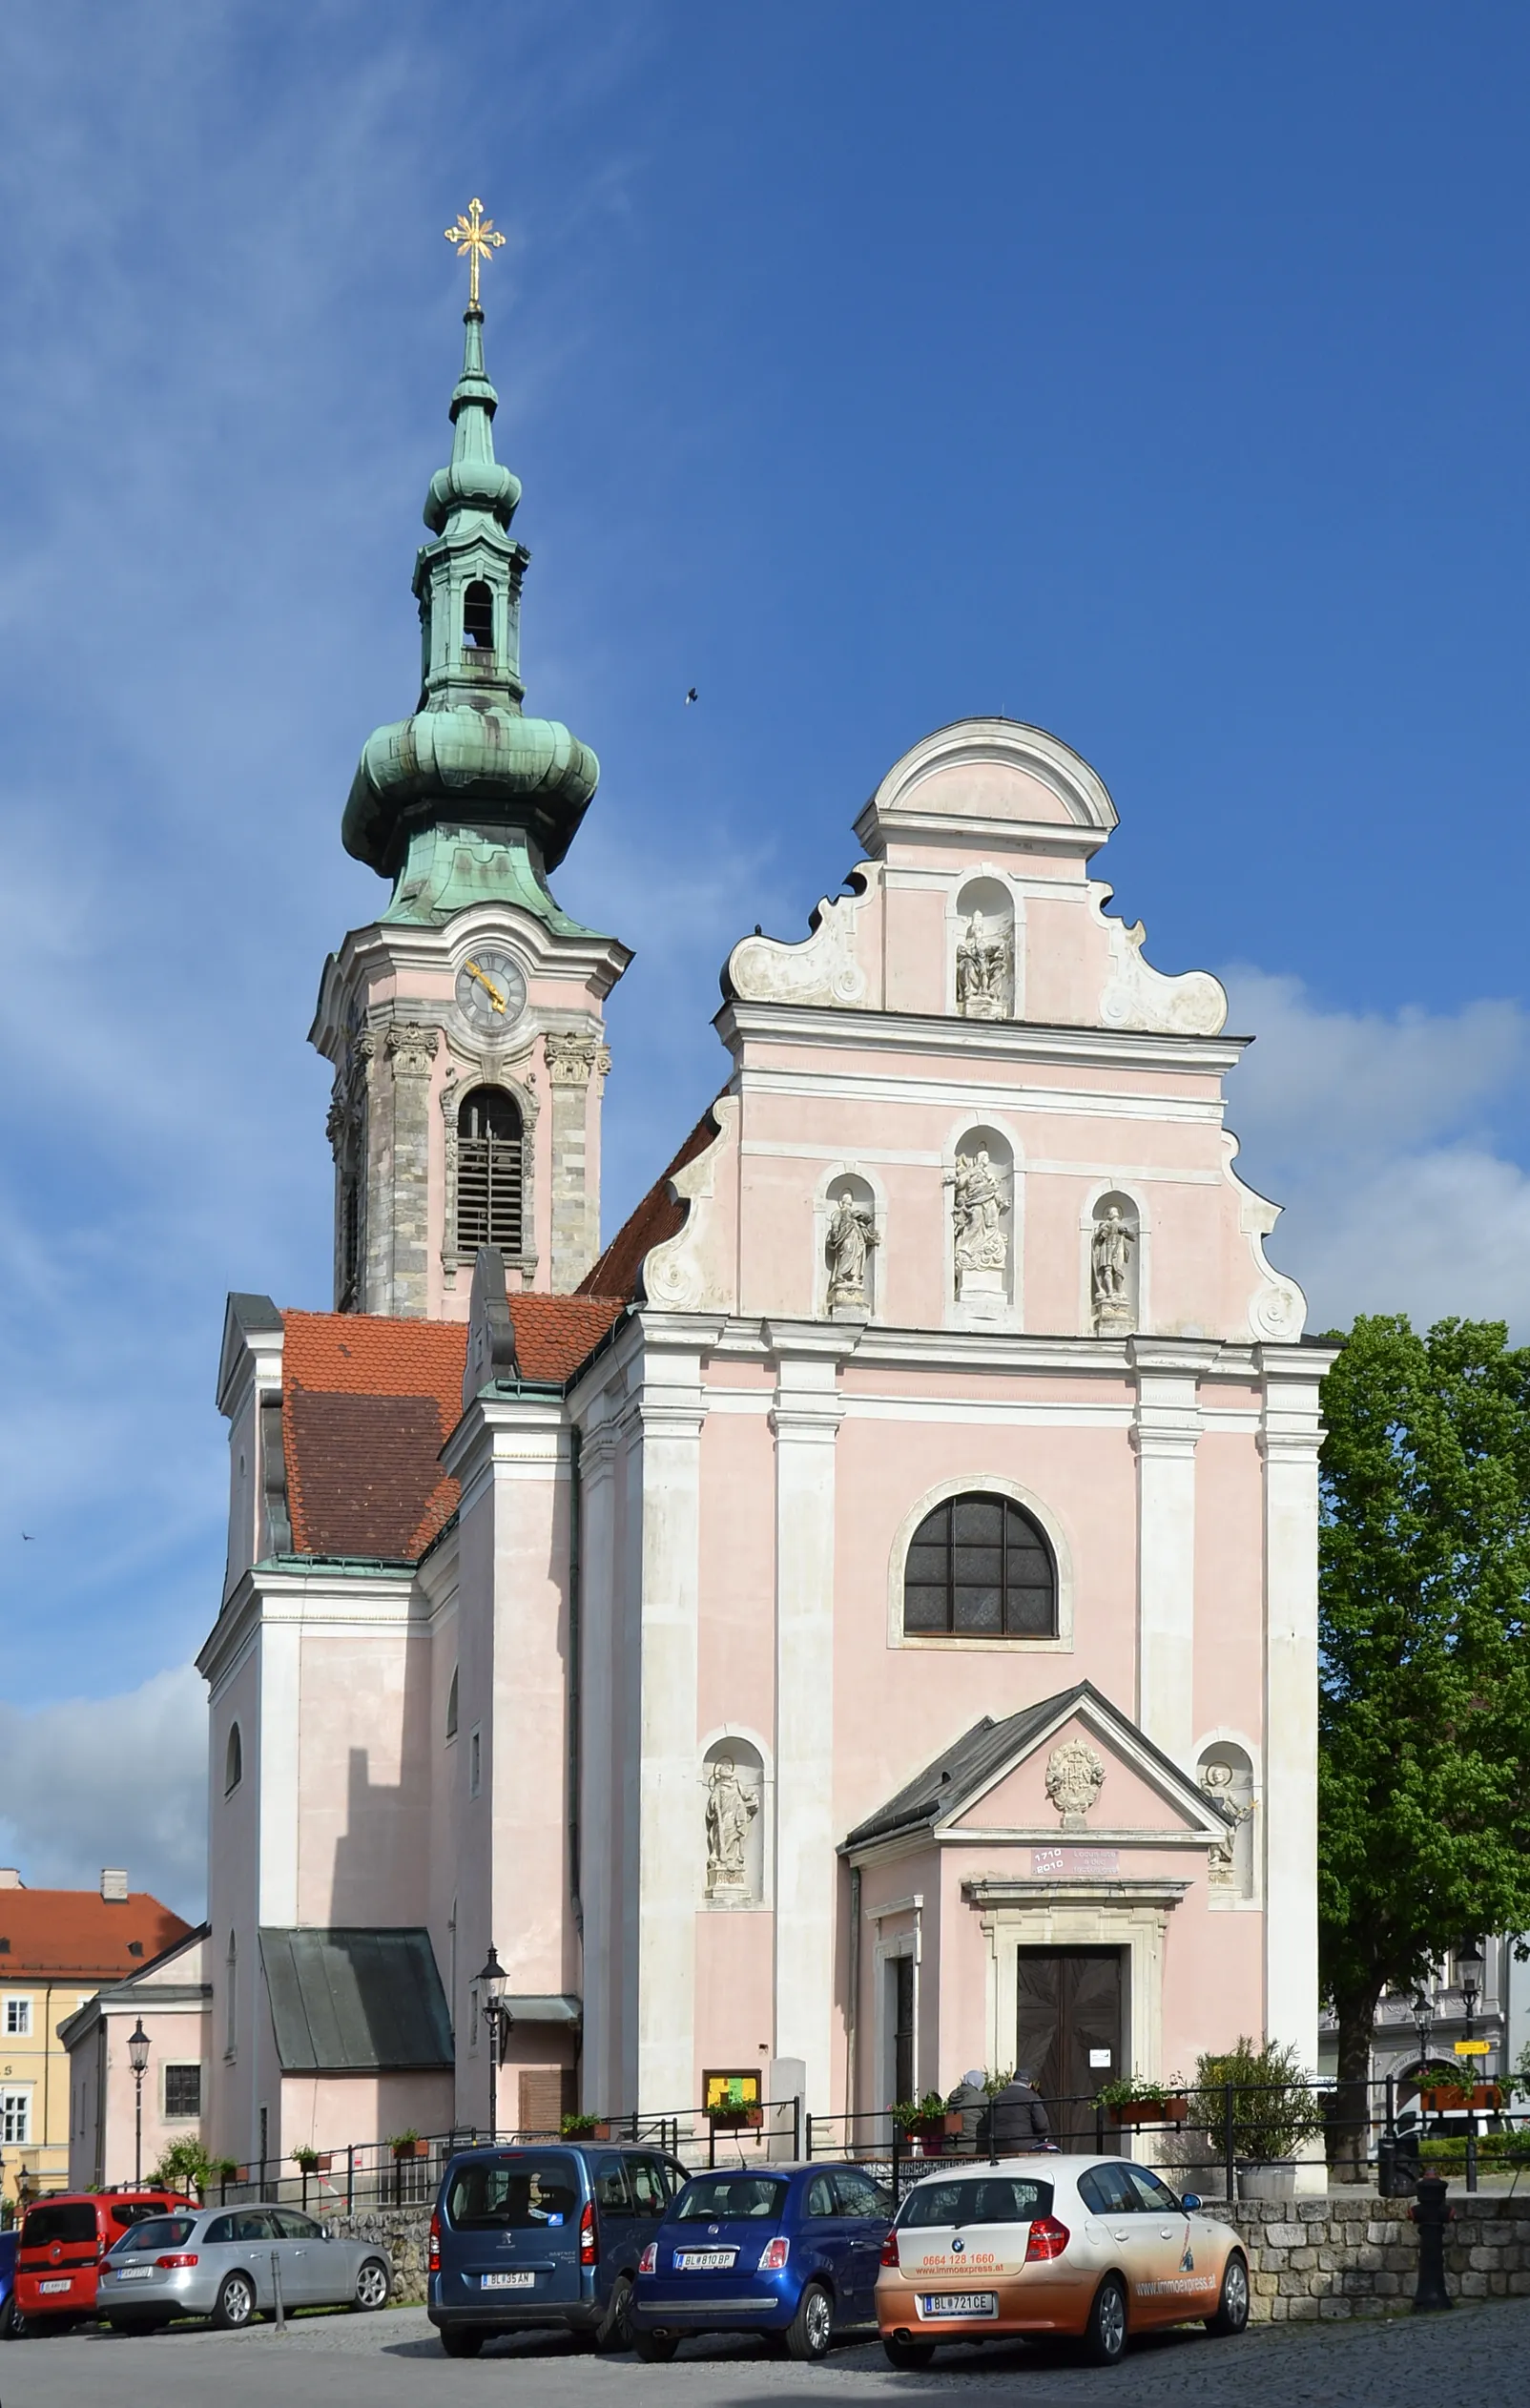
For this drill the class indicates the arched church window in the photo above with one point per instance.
(980, 1568)
(231, 1996)
(478, 618)
(233, 1760)
(451, 1705)
(490, 1168)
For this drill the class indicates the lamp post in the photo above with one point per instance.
(496, 2015)
(138, 2060)
(1469, 1965)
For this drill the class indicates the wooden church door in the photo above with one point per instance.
(1069, 2027)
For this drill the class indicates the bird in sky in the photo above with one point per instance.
(27, 1535)
(690, 696)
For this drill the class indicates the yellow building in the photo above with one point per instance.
(57, 1948)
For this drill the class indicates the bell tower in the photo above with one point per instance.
(466, 1025)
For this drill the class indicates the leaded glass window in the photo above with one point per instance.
(978, 1567)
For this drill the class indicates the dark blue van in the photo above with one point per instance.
(551, 2235)
(788, 2251)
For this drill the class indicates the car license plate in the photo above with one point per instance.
(59, 2286)
(703, 2261)
(959, 2303)
(134, 2274)
(507, 2282)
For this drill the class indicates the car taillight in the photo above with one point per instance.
(589, 2244)
(773, 2255)
(1048, 2239)
(890, 2249)
(188, 2259)
(649, 2262)
(433, 2262)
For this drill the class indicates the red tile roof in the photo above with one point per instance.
(78, 1934)
(368, 1404)
(661, 1215)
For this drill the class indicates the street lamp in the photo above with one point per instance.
(496, 2015)
(138, 2060)
(1469, 1964)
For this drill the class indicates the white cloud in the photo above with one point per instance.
(1381, 1137)
(111, 1781)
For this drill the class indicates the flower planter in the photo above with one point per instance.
(935, 2127)
(1172, 2111)
(1454, 2097)
(1266, 2178)
(737, 2119)
(406, 2150)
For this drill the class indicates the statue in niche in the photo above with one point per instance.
(1219, 1783)
(1075, 1776)
(851, 1236)
(982, 964)
(976, 1213)
(1110, 1269)
(731, 1809)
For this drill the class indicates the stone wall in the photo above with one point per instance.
(1354, 2256)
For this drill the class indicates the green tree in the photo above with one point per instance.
(1424, 1708)
(184, 2165)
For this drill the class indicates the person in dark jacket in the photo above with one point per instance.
(1017, 2120)
(970, 2100)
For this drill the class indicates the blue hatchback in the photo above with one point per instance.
(789, 2252)
(10, 2320)
(551, 2235)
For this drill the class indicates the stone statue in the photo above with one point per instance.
(851, 1236)
(1110, 1269)
(1075, 1776)
(1221, 1857)
(731, 1809)
(982, 971)
(976, 1213)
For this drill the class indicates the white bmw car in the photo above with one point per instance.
(1093, 2247)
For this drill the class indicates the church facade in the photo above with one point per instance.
(859, 1624)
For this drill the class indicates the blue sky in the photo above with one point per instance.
(1158, 375)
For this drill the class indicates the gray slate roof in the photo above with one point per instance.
(968, 1765)
(356, 2002)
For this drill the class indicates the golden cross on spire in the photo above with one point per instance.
(475, 238)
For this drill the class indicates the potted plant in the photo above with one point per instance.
(737, 2119)
(306, 2159)
(1274, 2110)
(409, 2144)
(927, 2119)
(1445, 2098)
(585, 2128)
(1131, 2102)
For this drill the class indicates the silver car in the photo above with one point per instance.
(227, 2263)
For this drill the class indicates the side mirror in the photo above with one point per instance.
(1190, 2201)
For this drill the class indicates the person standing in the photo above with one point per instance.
(1017, 2120)
(970, 2101)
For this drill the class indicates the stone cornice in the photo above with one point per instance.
(990, 1042)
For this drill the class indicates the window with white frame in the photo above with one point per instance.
(183, 2092)
(16, 2116)
(18, 2017)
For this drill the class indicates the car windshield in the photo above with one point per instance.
(996, 2199)
(70, 2220)
(137, 2211)
(155, 2231)
(516, 2194)
(725, 2198)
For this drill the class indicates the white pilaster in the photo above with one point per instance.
(1165, 1428)
(672, 1409)
(805, 1419)
(598, 1750)
(1289, 1436)
(280, 1771)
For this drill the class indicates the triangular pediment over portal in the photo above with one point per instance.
(1071, 1769)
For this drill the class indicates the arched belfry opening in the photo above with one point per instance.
(490, 1172)
(478, 617)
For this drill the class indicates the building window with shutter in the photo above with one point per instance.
(490, 1172)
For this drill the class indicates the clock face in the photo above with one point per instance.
(490, 990)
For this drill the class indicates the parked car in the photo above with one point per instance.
(226, 2262)
(62, 2242)
(547, 2235)
(9, 2314)
(1091, 2247)
(789, 2251)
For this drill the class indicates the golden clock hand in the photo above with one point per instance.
(494, 993)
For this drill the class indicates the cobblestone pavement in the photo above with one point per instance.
(1477, 2354)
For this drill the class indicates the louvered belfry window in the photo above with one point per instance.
(490, 1172)
(980, 1568)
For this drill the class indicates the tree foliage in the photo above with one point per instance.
(1424, 1766)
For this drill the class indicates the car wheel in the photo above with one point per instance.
(235, 2303)
(656, 2349)
(371, 2286)
(12, 2323)
(460, 2341)
(616, 2330)
(812, 2329)
(1232, 2308)
(1104, 2336)
(906, 2356)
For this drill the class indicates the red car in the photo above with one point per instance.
(63, 2241)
